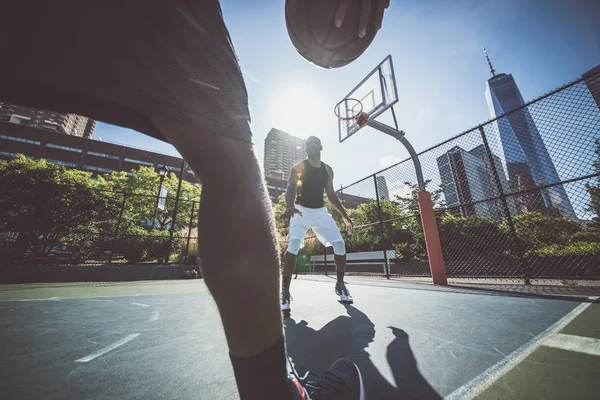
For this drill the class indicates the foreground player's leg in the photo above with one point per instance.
(289, 265)
(239, 256)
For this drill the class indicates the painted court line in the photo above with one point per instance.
(579, 344)
(108, 301)
(154, 316)
(487, 378)
(140, 304)
(108, 348)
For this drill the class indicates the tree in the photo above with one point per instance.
(594, 191)
(536, 230)
(45, 205)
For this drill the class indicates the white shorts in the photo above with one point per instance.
(317, 219)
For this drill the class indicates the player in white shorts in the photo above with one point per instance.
(305, 209)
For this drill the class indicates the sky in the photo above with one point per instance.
(436, 46)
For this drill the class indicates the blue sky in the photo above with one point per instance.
(440, 71)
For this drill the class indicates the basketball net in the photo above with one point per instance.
(350, 111)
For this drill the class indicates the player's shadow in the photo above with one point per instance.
(348, 337)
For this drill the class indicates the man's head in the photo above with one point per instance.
(313, 146)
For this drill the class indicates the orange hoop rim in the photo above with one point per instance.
(354, 116)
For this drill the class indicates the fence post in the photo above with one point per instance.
(506, 210)
(187, 246)
(172, 228)
(385, 259)
(112, 247)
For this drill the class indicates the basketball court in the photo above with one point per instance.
(163, 339)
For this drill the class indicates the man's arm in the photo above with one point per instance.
(290, 195)
(335, 201)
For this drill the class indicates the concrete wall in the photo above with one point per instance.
(106, 273)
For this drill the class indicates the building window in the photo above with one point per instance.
(7, 154)
(168, 166)
(56, 146)
(65, 163)
(99, 169)
(139, 162)
(16, 139)
(93, 153)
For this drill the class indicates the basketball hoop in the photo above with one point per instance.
(350, 111)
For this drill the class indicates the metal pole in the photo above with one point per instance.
(187, 247)
(112, 247)
(506, 210)
(175, 211)
(387, 269)
(325, 252)
(399, 135)
(162, 178)
(430, 231)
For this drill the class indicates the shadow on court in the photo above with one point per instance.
(348, 337)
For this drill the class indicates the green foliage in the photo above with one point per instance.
(536, 230)
(464, 236)
(571, 249)
(590, 237)
(51, 206)
(410, 251)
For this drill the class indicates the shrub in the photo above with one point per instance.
(572, 249)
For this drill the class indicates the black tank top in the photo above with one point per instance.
(311, 185)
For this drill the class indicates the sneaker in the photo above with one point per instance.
(343, 381)
(343, 292)
(296, 389)
(285, 301)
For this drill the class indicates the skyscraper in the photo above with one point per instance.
(282, 152)
(70, 124)
(522, 150)
(592, 81)
(467, 178)
(382, 188)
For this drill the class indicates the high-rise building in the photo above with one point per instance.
(522, 150)
(469, 184)
(382, 188)
(592, 81)
(282, 152)
(70, 124)
(83, 153)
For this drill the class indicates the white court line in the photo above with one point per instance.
(108, 348)
(487, 378)
(108, 301)
(579, 344)
(140, 304)
(154, 316)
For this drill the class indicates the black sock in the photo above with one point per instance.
(263, 376)
(285, 283)
(340, 276)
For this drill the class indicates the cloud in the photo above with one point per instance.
(389, 160)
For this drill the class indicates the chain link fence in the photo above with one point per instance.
(53, 224)
(516, 198)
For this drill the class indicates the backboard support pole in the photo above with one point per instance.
(430, 231)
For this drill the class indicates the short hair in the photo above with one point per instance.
(312, 138)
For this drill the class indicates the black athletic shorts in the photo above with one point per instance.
(124, 61)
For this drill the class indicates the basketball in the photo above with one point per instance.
(311, 26)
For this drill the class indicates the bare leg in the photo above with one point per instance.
(340, 262)
(236, 239)
(289, 265)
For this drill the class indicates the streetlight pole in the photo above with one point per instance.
(162, 172)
